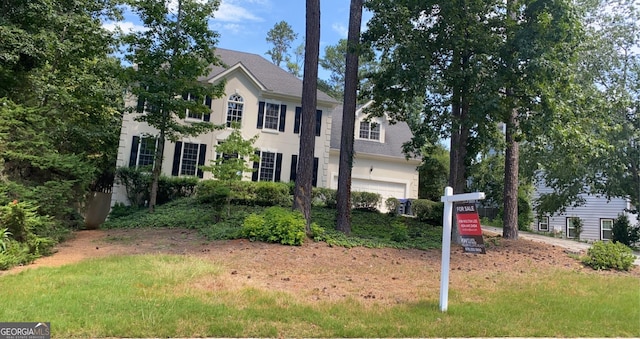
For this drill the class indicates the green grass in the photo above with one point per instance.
(370, 229)
(171, 296)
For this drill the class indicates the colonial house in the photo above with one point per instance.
(596, 217)
(265, 100)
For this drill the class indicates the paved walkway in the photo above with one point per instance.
(570, 245)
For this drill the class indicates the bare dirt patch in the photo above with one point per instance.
(317, 272)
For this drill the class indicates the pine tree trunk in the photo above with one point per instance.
(348, 119)
(304, 174)
(510, 213)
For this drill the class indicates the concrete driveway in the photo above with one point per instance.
(571, 245)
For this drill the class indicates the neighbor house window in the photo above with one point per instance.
(573, 223)
(187, 158)
(543, 224)
(271, 116)
(369, 130)
(235, 106)
(606, 228)
(142, 151)
(268, 168)
(189, 114)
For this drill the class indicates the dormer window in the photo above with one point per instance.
(369, 130)
(234, 109)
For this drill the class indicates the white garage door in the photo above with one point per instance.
(384, 188)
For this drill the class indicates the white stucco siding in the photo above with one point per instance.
(591, 213)
(388, 177)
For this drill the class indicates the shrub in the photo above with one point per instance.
(325, 196)
(428, 211)
(623, 231)
(171, 188)
(399, 232)
(365, 200)
(607, 255)
(120, 210)
(277, 225)
(137, 183)
(243, 192)
(215, 193)
(272, 194)
(4, 238)
(392, 205)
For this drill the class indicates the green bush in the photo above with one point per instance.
(365, 200)
(623, 231)
(215, 193)
(120, 210)
(428, 211)
(273, 194)
(171, 188)
(243, 192)
(325, 196)
(399, 232)
(277, 225)
(137, 183)
(609, 255)
(16, 253)
(392, 205)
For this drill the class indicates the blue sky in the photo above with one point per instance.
(243, 24)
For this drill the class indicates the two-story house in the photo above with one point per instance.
(265, 100)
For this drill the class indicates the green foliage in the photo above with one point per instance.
(233, 157)
(365, 200)
(577, 224)
(325, 196)
(281, 36)
(216, 194)
(277, 225)
(428, 211)
(399, 232)
(5, 235)
(392, 205)
(609, 255)
(137, 183)
(434, 172)
(623, 232)
(272, 193)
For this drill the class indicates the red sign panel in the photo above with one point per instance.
(469, 228)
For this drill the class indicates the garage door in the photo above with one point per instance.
(384, 188)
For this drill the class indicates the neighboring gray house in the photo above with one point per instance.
(596, 214)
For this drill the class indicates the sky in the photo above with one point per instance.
(242, 25)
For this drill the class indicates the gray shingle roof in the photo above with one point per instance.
(274, 78)
(395, 136)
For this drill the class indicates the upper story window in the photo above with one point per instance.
(369, 130)
(235, 106)
(298, 121)
(193, 115)
(271, 116)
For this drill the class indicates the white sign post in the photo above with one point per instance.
(447, 217)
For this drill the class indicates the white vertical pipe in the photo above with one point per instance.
(446, 248)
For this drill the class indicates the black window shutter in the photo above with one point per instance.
(207, 102)
(296, 123)
(140, 105)
(278, 167)
(176, 159)
(283, 117)
(314, 181)
(185, 96)
(133, 158)
(260, 114)
(202, 154)
(256, 167)
(318, 122)
(294, 167)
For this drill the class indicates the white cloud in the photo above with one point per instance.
(125, 26)
(233, 28)
(230, 12)
(340, 29)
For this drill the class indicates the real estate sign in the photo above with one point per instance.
(469, 227)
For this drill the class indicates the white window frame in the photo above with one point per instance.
(234, 114)
(270, 107)
(602, 229)
(569, 227)
(543, 221)
(372, 128)
(189, 115)
(182, 159)
(263, 166)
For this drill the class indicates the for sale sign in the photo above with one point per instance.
(469, 227)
